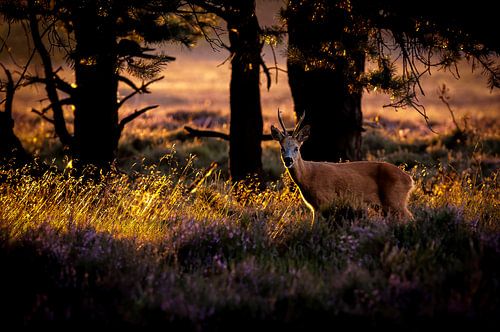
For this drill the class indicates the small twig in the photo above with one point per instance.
(275, 62)
(133, 116)
(229, 58)
(443, 96)
(62, 102)
(59, 82)
(278, 69)
(211, 41)
(142, 89)
(266, 71)
(128, 82)
(42, 115)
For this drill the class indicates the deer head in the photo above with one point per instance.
(290, 144)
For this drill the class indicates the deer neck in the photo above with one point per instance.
(298, 171)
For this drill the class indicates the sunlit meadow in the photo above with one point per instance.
(165, 238)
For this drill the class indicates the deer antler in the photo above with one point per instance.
(282, 124)
(299, 123)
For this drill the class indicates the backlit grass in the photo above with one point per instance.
(156, 247)
(167, 240)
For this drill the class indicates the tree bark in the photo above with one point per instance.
(246, 123)
(333, 113)
(322, 83)
(10, 145)
(96, 111)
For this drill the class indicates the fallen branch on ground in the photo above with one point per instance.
(217, 134)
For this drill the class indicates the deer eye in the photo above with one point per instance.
(296, 149)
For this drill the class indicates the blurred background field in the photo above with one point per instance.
(195, 93)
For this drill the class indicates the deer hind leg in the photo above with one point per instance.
(401, 214)
(394, 203)
(397, 212)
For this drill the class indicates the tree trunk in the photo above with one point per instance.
(246, 117)
(323, 65)
(333, 113)
(10, 145)
(96, 113)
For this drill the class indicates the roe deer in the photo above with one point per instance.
(322, 183)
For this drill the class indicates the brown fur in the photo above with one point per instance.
(321, 184)
(375, 183)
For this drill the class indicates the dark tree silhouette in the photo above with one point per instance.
(245, 47)
(329, 42)
(101, 41)
(10, 145)
(246, 115)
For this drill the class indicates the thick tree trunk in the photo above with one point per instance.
(246, 117)
(323, 63)
(96, 114)
(333, 113)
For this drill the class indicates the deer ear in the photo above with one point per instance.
(303, 134)
(276, 134)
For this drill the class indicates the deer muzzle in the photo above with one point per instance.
(288, 162)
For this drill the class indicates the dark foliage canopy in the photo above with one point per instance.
(419, 35)
(102, 41)
(136, 25)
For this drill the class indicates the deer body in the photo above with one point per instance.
(322, 183)
(375, 183)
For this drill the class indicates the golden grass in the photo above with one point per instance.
(150, 207)
(147, 209)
